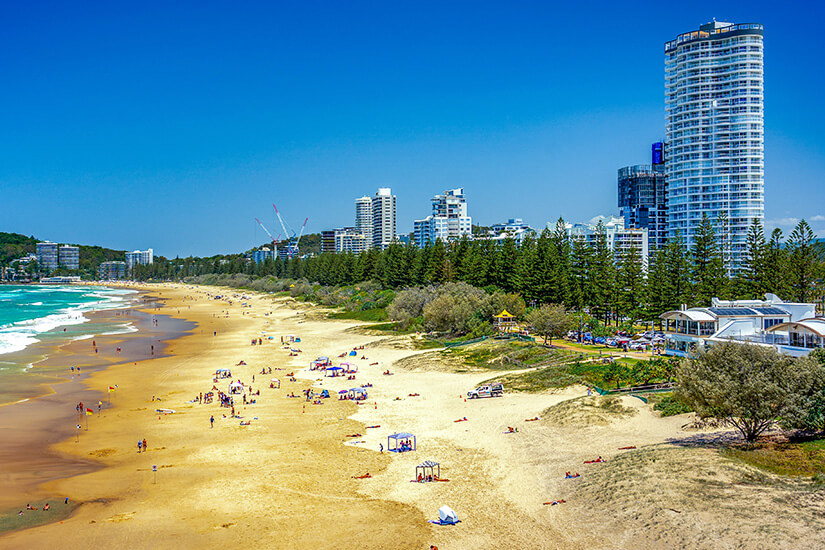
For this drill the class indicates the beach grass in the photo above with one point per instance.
(11, 519)
(375, 315)
(783, 457)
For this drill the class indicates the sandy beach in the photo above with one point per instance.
(288, 479)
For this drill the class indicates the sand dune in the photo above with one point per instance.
(288, 479)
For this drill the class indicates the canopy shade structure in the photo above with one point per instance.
(504, 315)
(427, 471)
(401, 442)
(353, 353)
(357, 393)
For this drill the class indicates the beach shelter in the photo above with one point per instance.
(427, 471)
(236, 387)
(333, 371)
(274, 383)
(358, 394)
(401, 442)
(447, 516)
(223, 373)
(353, 353)
(504, 320)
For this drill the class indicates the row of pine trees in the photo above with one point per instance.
(555, 269)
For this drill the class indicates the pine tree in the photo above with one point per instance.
(753, 268)
(707, 270)
(561, 267)
(631, 284)
(581, 260)
(776, 266)
(803, 262)
(603, 276)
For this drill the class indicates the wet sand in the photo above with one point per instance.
(40, 408)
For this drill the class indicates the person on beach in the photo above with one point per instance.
(140, 445)
(381, 448)
(211, 421)
(145, 446)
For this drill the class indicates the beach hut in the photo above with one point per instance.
(401, 442)
(504, 321)
(358, 394)
(333, 371)
(427, 471)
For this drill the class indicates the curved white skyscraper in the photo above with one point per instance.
(715, 132)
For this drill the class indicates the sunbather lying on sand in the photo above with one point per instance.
(414, 395)
(511, 430)
(568, 475)
(461, 420)
(553, 503)
(376, 426)
(628, 447)
(600, 459)
(532, 419)
(354, 435)
(365, 476)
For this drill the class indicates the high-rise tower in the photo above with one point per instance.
(363, 218)
(383, 218)
(714, 133)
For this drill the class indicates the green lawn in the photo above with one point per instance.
(783, 458)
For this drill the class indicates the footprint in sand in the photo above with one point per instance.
(100, 453)
(117, 518)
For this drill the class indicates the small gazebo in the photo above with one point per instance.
(427, 471)
(504, 321)
(401, 442)
(334, 371)
(357, 394)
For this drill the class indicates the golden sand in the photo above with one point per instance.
(287, 480)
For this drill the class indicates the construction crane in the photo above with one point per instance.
(292, 238)
(274, 240)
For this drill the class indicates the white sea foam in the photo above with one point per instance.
(18, 336)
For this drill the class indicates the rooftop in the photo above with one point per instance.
(712, 31)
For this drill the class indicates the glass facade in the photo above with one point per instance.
(642, 201)
(714, 133)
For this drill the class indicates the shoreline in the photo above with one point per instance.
(31, 426)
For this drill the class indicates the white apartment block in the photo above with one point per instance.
(449, 220)
(714, 151)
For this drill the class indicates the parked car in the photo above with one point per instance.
(487, 390)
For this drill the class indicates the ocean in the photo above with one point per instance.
(30, 313)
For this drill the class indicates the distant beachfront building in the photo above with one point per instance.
(345, 239)
(363, 218)
(69, 257)
(619, 239)
(715, 132)
(513, 228)
(791, 328)
(383, 218)
(642, 201)
(112, 271)
(449, 220)
(139, 257)
(264, 254)
(47, 256)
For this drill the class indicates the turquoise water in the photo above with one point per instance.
(29, 312)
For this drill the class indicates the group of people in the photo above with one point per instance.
(142, 446)
(404, 446)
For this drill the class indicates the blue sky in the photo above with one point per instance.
(173, 126)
